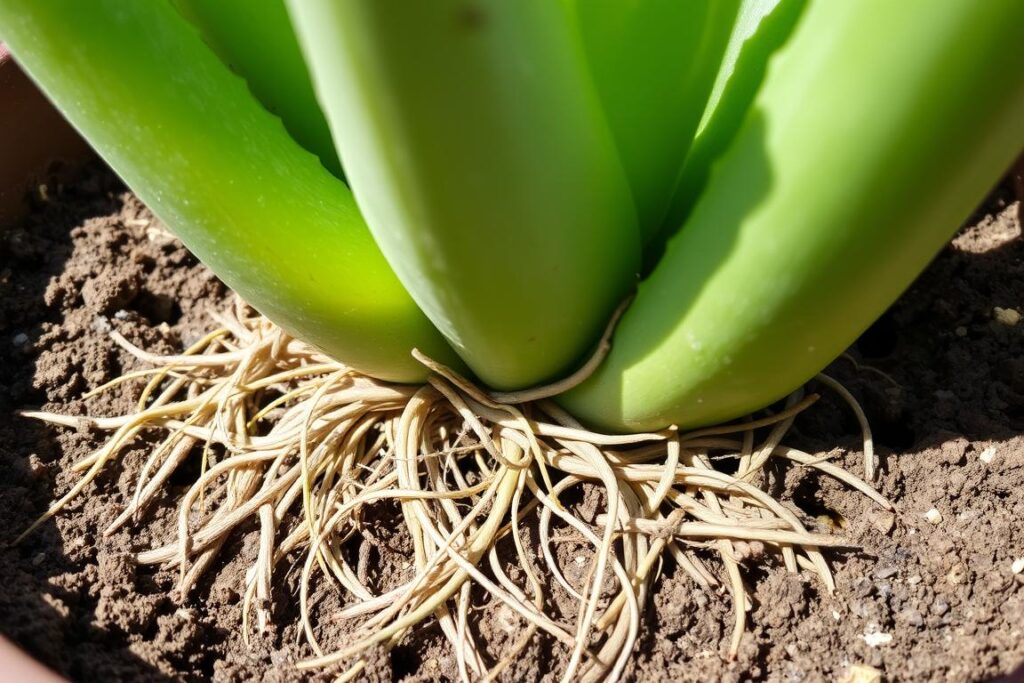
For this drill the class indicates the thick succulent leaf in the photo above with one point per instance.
(187, 135)
(879, 127)
(480, 156)
(255, 38)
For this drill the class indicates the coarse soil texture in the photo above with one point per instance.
(934, 591)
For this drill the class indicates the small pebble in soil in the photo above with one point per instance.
(987, 455)
(885, 572)
(940, 606)
(1006, 316)
(20, 339)
(1018, 565)
(884, 521)
(876, 638)
(933, 516)
(913, 618)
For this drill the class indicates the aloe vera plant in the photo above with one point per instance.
(762, 177)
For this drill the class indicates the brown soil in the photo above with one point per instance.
(948, 415)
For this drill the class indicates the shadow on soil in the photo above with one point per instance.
(49, 598)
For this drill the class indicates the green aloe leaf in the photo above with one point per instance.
(762, 27)
(653, 63)
(879, 127)
(255, 38)
(188, 136)
(482, 161)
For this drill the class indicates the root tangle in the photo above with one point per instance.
(308, 447)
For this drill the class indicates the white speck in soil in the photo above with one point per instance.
(1006, 316)
(101, 324)
(876, 638)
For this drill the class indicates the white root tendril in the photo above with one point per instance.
(302, 449)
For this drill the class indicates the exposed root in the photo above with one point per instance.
(302, 449)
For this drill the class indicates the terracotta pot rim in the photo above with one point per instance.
(36, 143)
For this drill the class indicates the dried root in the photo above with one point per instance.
(309, 446)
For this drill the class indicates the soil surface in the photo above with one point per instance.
(930, 594)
